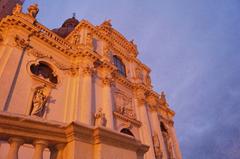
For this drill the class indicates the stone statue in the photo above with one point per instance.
(100, 119)
(17, 9)
(33, 10)
(157, 147)
(39, 100)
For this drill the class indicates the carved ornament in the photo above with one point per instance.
(17, 9)
(124, 105)
(33, 10)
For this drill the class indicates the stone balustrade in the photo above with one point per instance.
(39, 146)
(61, 139)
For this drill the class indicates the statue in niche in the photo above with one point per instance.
(39, 101)
(33, 10)
(17, 9)
(100, 119)
(156, 145)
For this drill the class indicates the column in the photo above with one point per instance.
(15, 144)
(39, 145)
(86, 114)
(57, 151)
(145, 129)
(175, 142)
(155, 127)
(107, 101)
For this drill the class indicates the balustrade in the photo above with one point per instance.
(39, 146)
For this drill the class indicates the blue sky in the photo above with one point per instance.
(192, 48)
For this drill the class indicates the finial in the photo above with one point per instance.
(74, 15)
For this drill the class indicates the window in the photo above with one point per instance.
(127, 131)
(119, 64)
(44, 71)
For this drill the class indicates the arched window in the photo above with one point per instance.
(127, 131)
(44, 71)
(120, 65)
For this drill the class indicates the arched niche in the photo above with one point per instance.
(43, 71)
(126, 131)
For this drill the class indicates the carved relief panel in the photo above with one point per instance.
(123, 105)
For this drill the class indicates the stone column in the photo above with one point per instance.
(86, 114)
(107, 101)
(177, 151)
(155, 124)
(57, 151)
(15, 144)
(39, 145)
(145, 129)
(156, 129)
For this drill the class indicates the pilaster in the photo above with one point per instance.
(145, 129)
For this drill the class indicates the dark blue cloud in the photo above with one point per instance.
(193, 50)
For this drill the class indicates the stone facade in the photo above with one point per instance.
(78, 92)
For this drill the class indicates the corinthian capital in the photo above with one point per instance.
(20, 42)
(140, 95)
(87, 71)
(152, 102)
(107, 81)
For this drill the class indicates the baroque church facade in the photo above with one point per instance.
(78, 92)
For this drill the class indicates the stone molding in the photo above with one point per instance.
(132, 121)
(34, 130)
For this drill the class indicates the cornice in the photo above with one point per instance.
(42, 33)
(30, 128)
(34, 129)
(118, 38)
(133, 121)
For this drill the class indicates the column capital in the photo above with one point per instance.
(107, 81)
(40, 142)
(87, 71)
(152, 102)
(17, 140)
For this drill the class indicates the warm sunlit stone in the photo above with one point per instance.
(78, 92)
